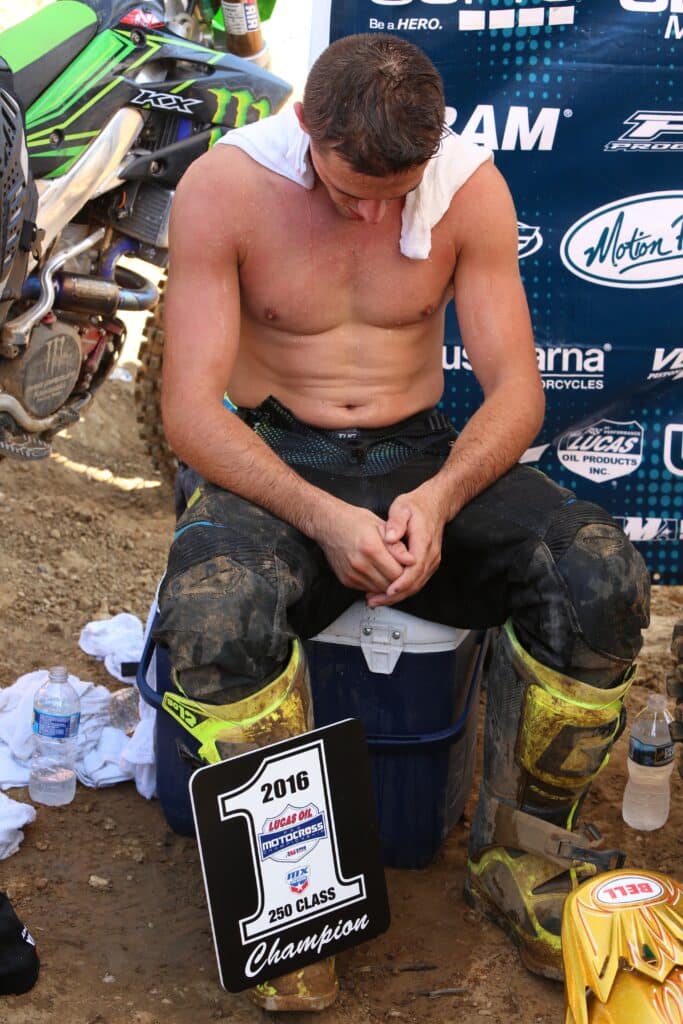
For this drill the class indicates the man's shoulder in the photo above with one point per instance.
(222, 180)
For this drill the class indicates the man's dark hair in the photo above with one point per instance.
(378, 101)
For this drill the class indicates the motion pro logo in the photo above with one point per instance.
(634, 242)
(650, 131)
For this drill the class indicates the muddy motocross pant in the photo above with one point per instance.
(241, 583)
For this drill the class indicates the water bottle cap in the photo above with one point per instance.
(58, 674)
(656, 701)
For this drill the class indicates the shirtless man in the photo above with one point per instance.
(337, 478)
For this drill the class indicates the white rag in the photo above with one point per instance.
(114, 641)
(279, 144)
(98, 746)
(13, 817)
(104, 755)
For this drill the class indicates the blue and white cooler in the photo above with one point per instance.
(414, 685)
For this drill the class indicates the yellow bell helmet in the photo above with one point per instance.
(622, 947)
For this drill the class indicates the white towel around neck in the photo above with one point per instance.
(279, 144)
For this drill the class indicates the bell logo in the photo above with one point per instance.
(626, 889)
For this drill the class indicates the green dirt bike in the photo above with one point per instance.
(103, 106)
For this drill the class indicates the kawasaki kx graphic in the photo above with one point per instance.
(103, 105)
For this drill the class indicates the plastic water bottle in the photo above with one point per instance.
(650, 763)
(56, 716)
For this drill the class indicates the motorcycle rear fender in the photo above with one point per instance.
(37, 49)
(219, 89)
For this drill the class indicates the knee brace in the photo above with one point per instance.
(609, 587)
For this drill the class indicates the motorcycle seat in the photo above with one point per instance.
(38, 49)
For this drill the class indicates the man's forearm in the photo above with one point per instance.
(228, 453)
(489, 445)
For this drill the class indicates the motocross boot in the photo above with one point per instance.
(281, 709)
(547, 737)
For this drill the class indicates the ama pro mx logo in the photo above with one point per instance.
(650, 131)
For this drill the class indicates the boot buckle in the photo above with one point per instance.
(605, 860)
(522, 831)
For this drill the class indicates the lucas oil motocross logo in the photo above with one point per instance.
(292, 833)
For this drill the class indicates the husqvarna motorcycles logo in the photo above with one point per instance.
(635, 242)
(650, 131)
(602, 451)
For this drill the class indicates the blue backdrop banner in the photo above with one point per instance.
(579, 103)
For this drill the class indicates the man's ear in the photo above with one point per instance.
(299, 111)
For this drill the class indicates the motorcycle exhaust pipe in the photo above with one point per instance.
(32, 424)
(79, 293)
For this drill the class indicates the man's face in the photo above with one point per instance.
(357, 196)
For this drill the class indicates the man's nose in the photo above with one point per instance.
(371, 210)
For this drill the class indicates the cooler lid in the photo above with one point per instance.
(383, 634)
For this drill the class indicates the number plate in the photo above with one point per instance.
(290, 853)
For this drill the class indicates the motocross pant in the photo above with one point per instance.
(242, 585)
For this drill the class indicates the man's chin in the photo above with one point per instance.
(346, 213)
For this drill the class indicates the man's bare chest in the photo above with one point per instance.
(307, 273)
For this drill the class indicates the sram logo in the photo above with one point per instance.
(650, 131)
(519, 128)
(673, 28)
(164, 101)
(667, 364)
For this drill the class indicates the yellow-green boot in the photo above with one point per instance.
(547, 737)
(281, 709)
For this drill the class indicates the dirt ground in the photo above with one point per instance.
(85, 535)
